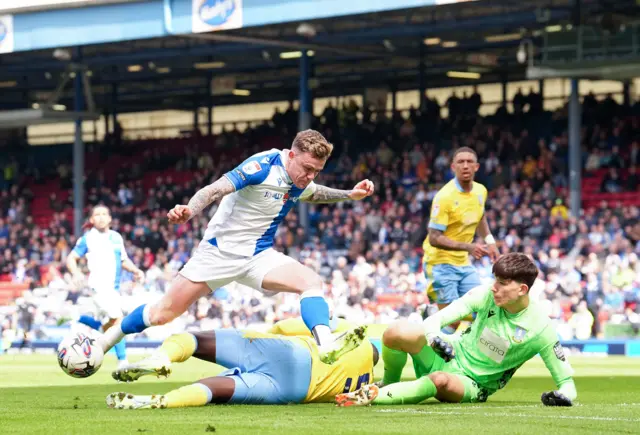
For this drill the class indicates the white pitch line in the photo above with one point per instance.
(508, 414)
(484, 407)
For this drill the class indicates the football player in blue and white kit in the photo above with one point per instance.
(106, 257)
(237, 245)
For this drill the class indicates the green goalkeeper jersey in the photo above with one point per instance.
(498, 342)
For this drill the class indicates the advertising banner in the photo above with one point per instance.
(6, 34)
(213, 15)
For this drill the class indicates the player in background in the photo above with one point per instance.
(457, 212)
(261, 369)
(106, 257)
(237, 245)
(508, 331)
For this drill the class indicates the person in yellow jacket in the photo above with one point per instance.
(261, 368)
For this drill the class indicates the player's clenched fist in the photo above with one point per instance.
(179, 214)
(362, 190)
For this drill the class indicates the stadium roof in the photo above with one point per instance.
(349, 54)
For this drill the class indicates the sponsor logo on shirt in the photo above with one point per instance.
(241, 175)
(493, 345)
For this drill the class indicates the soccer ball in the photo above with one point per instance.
(79, 355)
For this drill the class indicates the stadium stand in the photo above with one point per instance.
(368, 253)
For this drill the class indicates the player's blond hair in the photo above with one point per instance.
(311, 141)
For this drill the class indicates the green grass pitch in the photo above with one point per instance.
(36, 397)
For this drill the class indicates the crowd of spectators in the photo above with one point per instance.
(369, 252)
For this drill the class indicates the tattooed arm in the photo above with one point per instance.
(203, 197)
(327, 195)
(210, 194)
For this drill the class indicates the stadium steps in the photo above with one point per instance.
(11, 291)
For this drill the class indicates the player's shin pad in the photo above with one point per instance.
(407, 393)
(394, 362)
(179, 347)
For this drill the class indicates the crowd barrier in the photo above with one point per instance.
(595, 347)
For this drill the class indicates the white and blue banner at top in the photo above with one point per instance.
(213, 15)
(6, 34)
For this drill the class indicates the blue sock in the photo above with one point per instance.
(314, 311)
(135, 322)
(90, 322)
(121, 350)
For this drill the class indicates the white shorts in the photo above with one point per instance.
(107, 303)
(218, 268)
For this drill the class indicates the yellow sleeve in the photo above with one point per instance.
(290, 327)
(439, 219)
(296, 327)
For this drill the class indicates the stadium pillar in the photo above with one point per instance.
(114, 104)
(78, 152)
(196, 119)
(422, 81)
(304, 123)
(575, 166)
(106, 121)
(504, 90)
(626, 93)
(394, 99)
(209, 105)
(541, 91)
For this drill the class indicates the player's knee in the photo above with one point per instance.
(440, 380)
(392, 336)
(404, 336)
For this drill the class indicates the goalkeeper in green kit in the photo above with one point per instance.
(508, 330)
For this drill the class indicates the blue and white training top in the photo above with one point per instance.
(246, 221)
(105, 253)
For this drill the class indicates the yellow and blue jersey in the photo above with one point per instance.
(457, 214)
(349, 373)
(295, 326)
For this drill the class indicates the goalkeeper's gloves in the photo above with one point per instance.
(555, 398)
(443, 348)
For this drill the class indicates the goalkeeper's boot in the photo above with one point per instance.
(361, 397)
(158, 364)
(344, 343)
(129, 401)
